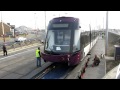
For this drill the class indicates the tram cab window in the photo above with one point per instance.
(58, 41)
(49, 41)
(62, 37)
(62, 40)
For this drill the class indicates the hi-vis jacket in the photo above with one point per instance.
(38, 53)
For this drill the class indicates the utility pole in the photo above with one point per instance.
(13, 28)
(35, 20)
(103, 23)
(14, 33)
(90, 35)
(66, 13)
(106, 47)
(35, 23)
(45, 21)
(59, 14)
(3, 28)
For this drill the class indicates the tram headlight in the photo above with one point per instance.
(63, 58)
(68, 56)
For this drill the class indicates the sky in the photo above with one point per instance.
(36, 19)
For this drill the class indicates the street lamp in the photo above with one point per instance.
(35, 23)
(54, 15)
(35, 20)
(106, 47)
(45, 21)
(90, 35)
(66, 13)
(3, 28)
(103, 23)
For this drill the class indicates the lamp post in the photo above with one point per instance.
(35, 23)
(106, 45)
(90, 35)
(66, 13)
(3, 29)
(54, 15)
(59, 14)
(45, 21)
(103, 23)
(35, 19)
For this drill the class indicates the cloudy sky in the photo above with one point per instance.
(36, 19)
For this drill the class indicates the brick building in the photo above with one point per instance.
(7, 28)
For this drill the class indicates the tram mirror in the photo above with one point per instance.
(89, 54)
(79, 26)
(43, 42)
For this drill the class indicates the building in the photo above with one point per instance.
(7, 28)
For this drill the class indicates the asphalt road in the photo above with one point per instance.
(18, 65)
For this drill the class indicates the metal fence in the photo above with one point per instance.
(13, 45)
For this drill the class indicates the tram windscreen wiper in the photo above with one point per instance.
(75, 52)
(53, 52)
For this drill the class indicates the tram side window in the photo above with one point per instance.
(95, 34)
(76, 45)
(86, 38)
(92, 36)
(81, 41)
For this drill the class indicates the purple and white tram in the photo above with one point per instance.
(67, 42)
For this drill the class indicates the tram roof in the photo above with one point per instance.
(67, 19)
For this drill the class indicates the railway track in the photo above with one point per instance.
(54, 71)
(42, 73)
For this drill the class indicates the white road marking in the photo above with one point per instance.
(16, 54)
(1, 59)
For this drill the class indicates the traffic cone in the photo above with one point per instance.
(82, 75)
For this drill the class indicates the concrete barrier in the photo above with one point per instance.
(111, 74)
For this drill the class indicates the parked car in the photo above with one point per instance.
(20, 39)
(42, 41)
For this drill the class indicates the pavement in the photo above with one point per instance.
(99, 72)
(96, 72)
